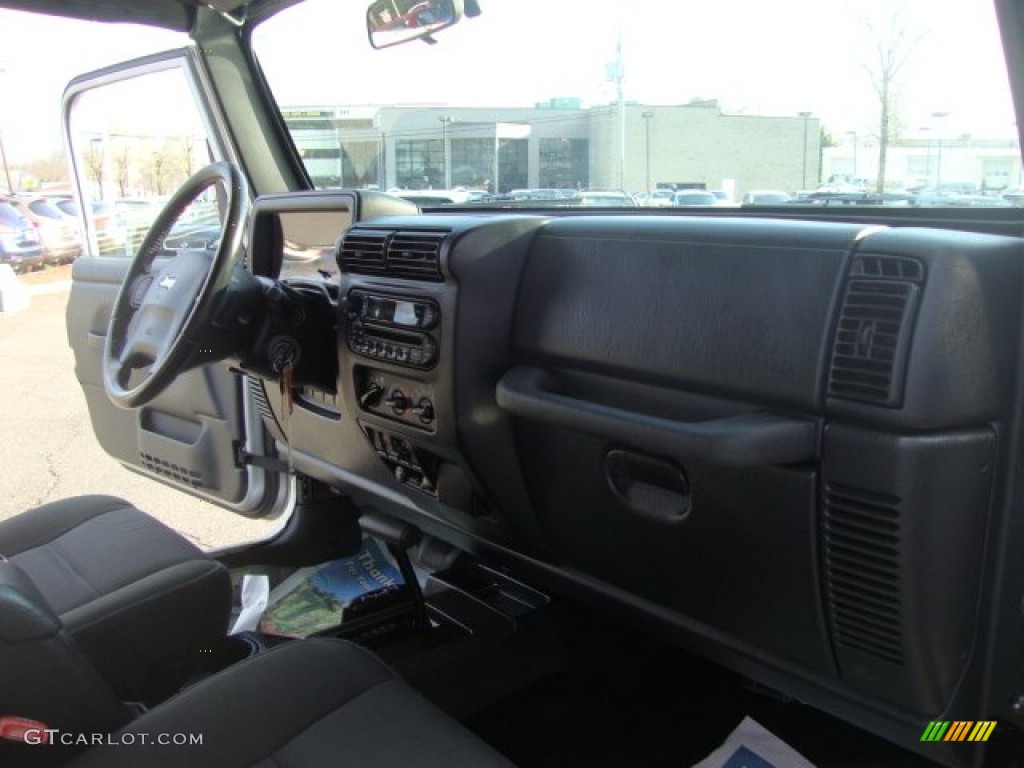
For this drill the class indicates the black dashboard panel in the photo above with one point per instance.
(721, 307)
(785, 443)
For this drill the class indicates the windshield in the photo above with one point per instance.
(783, 103)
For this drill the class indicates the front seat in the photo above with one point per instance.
(305, 704)
(135, 596)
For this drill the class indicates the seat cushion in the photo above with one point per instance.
(133, 593)
(307, 703)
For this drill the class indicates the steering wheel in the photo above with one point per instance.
(162, 313)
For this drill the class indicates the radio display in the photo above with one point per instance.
(392, 311)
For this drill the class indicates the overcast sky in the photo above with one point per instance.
(785, 57)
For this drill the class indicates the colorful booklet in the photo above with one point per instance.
(314, 599)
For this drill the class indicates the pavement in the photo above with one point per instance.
(47, 448)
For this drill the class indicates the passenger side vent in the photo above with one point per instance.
(893, 267)
(363, 251)
(410, 254)
(875, 324)
(862, 571)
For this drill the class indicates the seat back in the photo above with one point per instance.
(45, 678)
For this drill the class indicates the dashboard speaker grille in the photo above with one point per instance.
(183, 475)
(862, 567)
(873, 335)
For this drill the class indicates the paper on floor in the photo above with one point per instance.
(752, 746)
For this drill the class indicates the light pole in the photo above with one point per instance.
(939, 116)
(341, 155)
(445, 151)
(803, 182)
(3, 154)
(3, 161)
(647, 149)
(925, 129)
(855, 137)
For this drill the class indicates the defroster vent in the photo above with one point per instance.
(409, 254)
(876, 321)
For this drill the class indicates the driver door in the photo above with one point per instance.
(136, 132)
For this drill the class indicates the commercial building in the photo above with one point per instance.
(912, 162)
(559, 144)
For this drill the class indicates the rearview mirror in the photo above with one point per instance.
(392, 22)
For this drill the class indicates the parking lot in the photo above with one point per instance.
(47, 448)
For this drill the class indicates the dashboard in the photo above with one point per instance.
(787, 444)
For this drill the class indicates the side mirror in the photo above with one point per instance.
(393, 22)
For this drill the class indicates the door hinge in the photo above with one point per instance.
(244, 458)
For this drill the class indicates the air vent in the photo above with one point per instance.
(862, 567)
(416, 255)
(411, 254)
(873, 336)
(894, 267)
(363, 251)
(259, 396)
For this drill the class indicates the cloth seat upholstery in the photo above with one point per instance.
(137, 597)
(312, 702)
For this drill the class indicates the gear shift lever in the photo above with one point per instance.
(399, 537)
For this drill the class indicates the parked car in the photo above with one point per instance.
(111, 234)
(604, 198)
(766, 197)
(19, 240)
(58, 231)
(1015, 195)
(694, 197)
(954, 197)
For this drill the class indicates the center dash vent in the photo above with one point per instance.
(872, 339)
(416, 255)
(411, 254)
(862, 567)
(363, 251)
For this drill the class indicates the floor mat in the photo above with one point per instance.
(626, 701)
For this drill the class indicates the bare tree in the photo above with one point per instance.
(187, 145)
(159, 169)
(122, 166)
(51, 169)
(894, 42)
(93, 157)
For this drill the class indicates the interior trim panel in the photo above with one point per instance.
(787, 437)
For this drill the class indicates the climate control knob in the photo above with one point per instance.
(371, 397)
(398, 401)
(425, 410)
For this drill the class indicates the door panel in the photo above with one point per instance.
(127, 156)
